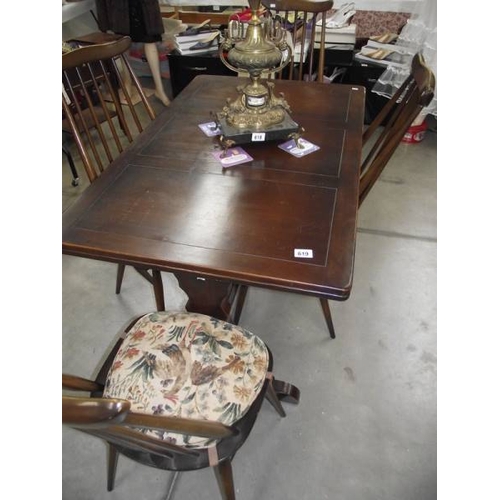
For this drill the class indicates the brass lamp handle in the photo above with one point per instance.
(222, 49)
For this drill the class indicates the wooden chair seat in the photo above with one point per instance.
(179, 391)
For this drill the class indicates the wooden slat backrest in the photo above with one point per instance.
(94, 93)
(400, 111)
(305, 64)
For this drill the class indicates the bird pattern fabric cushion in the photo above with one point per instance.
(188, 365)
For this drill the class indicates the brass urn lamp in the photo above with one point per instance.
(256, 114)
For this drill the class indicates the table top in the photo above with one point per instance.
(166, 203)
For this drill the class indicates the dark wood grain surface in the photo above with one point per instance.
(166, 202)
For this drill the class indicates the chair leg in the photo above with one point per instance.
(158, 289)
(272, 397)
(72, 166)
(286, 392)
(171, 485)
(155, 279)
(240, 302)
(224, 474)
(119, 278)
(112, 461)
(328, 317)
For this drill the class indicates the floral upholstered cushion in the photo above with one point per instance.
(188, 365)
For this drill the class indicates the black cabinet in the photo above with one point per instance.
(366, 75)
(184, 68)
(350, 71)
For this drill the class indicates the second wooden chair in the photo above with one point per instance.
(301, 19)
(104, 109)
(179, 391)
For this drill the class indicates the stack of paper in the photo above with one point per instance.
(347, 34)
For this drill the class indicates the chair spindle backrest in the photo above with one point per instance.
(301, 17)
(98, 85)
(400, 111)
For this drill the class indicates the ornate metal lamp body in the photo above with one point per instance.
(256, 111)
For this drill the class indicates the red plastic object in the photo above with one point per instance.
(415, 134)
(245, 15)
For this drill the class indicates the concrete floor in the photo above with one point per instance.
(365, 428)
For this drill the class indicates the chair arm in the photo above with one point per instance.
(80, 384)
(93, 412)
(188, 426)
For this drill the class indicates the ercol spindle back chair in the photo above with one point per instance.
(94, 87)
(416, 92)
(300, 18)
(400, 111)
(104, 109)
(179, 391)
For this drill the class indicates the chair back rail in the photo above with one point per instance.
(89, 412)
(136, 441)
(112, 420)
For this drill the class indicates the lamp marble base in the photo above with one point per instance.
(287, 129)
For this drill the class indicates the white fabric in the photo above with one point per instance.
(419, 34)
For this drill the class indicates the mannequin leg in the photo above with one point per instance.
(127, 81)
(153, 58)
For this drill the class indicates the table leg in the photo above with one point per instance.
(207, 296)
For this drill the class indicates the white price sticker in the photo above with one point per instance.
(258, 136)
(303, 253)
